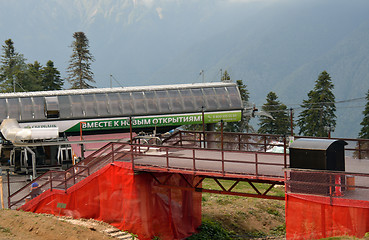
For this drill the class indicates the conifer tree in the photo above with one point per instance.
(319, 109)
(79, 70)
(280, 123)
(34, 77)
(243, 125)
(13, 68)
(225, 77)
(364, 132)
(51, 77)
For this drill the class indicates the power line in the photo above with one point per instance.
(317, 103)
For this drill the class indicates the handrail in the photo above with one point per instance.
(258, 142)
(74, 171)
(328, 183)
(109, 152)
(194, 160)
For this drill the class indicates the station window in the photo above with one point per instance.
(188, 100)
(126, 103)
(52, 107)
(199, 99)
(3, 110)
(152, 104)
(77, 106)
(176, 101)
(102, 104)
(65, 106)
(139, 102)
(90, 105)
(211, 99)
(234, 97)
(115, 104)
(13, 108)
(39, 108)
(26, 108)
(163, 101)
(222, 97)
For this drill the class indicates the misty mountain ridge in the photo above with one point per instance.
(279, 46)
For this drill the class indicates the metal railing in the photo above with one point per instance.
(332, 184)
(62, 180)
(357, 148)
(222, 153)
(208, 161)
(146, 156)
(248, 142)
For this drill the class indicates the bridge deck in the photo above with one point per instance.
(227, 164)
(213, 163)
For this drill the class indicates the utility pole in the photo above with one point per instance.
(202, 73)
(291, 118)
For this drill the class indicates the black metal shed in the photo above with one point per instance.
(319, 154)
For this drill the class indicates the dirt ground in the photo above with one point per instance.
(16, 225)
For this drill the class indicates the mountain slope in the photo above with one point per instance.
(279, 45)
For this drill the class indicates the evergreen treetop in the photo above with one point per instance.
(280, 123)
(51, 77)
(79, 70)
(319, 109)
(12, 69)
(364, 132)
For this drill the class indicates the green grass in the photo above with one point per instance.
(243, 187)
(211, 230)
(242, 217)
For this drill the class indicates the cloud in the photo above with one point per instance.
(147, 3)
(159, 10)
(245, 1)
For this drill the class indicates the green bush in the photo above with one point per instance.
(210, 230)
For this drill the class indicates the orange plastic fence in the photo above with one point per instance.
(316, 217)
(129, 201)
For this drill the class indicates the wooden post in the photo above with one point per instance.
(193, 159)
(8, 178)
(65, 182)
(203, 125)
(285, 151)
(222, 146)
(130, 129)
(1, 192)
(112, 152)
(256, 164)
(51, 181)
(167, 156)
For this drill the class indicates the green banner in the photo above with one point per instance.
(158, 121)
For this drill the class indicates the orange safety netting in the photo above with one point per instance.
(316, 217)
(129, 201)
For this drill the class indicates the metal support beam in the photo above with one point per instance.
(197, 180)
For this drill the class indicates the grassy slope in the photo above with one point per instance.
(244, 216)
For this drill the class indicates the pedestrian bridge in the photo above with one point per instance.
(173, 172)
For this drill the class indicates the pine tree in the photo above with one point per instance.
(280, 124)
(34, 77)
(51, 77)
(79, 70)
(225, 77)
(364, 132)
(319, 110)
(243, 125)
(13, 68)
